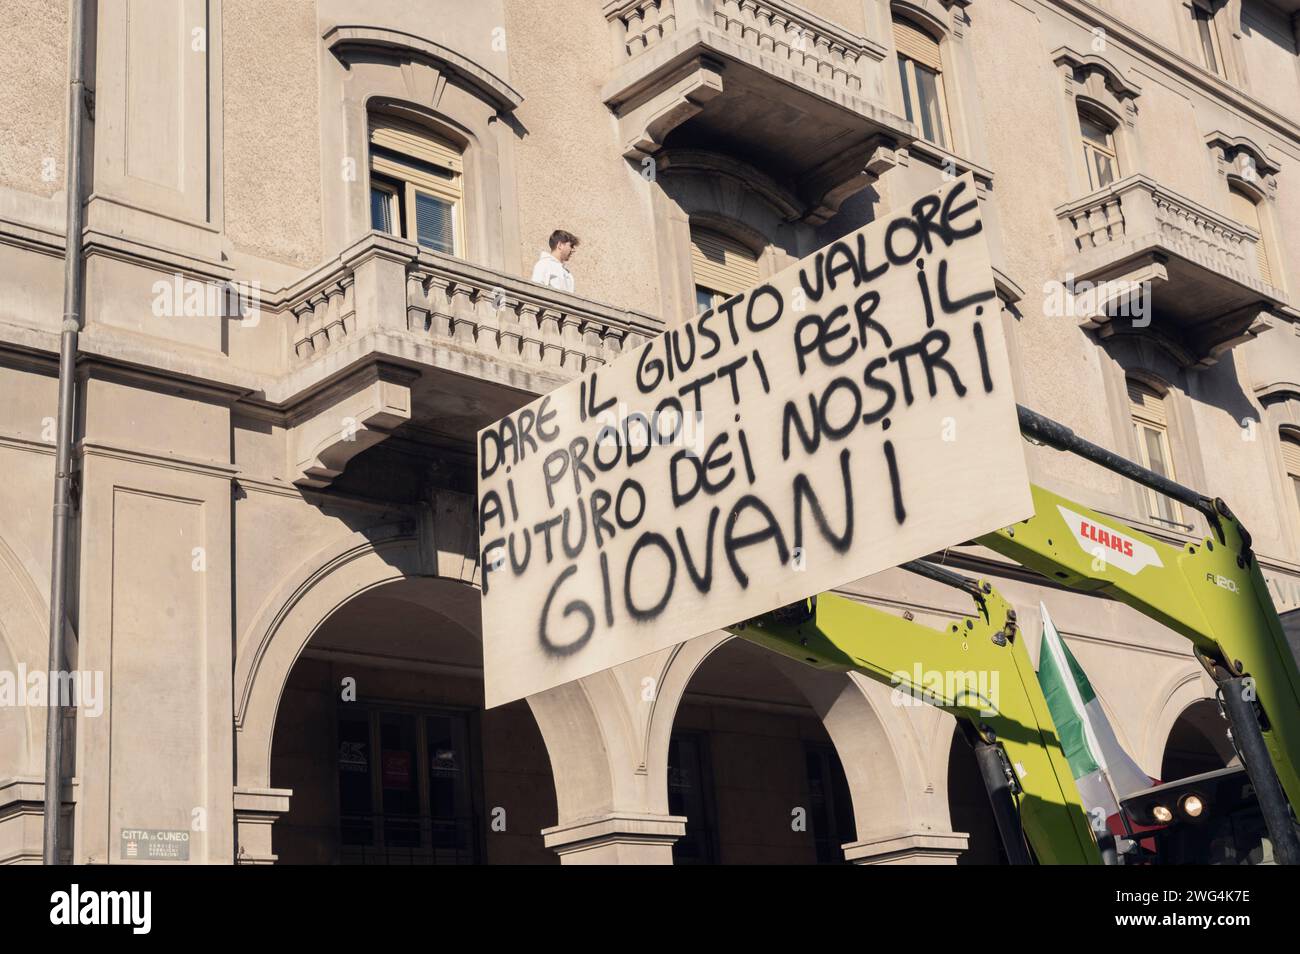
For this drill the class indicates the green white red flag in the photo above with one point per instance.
(1102, 770)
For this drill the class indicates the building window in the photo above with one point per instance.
(1245, 209)
(920, 71)
(1099, 154)
(1151, 426)
(1291, 461)
(1211, 56)
(721, 268)
(830, 805)
(405, 787)
(416, 184)
(690, 793)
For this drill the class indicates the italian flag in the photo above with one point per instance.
(1102, 770)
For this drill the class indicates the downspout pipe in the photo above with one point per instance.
(72, 264)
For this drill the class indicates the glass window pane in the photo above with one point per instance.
(927, 86)
(1204, 28)
(687, 783)
(1155, 448)
(1094, 131)
(1088, 164)
(703, 299)
(434, 223)
(449, 783)
(830, 811)
(397, 778)
(907, 92)
(381, 209)
(354, 779)
(1157, 460)
(1105, 170)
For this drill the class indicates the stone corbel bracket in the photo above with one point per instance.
(1198, 347)
(351, 416)
(826, 187)
(645, 120)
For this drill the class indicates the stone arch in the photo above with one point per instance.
(295, 610)
(24, 640)
(878, 749)
(1198, 741)
(587, 736)
(1188, 685)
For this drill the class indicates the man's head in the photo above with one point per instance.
(562, 244)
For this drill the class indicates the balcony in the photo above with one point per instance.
(391, 336)
(792, 94)
(1206, 296)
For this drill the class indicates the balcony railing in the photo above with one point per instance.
(1137, 209)
(376, 336)
(765, 82)
(1199, 266)
(792, 35)
(388, 284)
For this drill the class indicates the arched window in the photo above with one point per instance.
(1151, 425)
(1291, 462)
(721, 267)
(416, 184)
(1099, 155)
(1245, 209)
(920, 71)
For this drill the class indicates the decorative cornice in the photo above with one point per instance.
(1088, 14)
(345, 41)
(1231, 146)
(1114, 77)
(190, 465)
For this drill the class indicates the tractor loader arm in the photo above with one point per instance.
(977, 669)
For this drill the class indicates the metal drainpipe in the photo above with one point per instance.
(63, 445)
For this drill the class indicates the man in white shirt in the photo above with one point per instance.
(552, 268)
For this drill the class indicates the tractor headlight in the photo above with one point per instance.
(1193, 806)
(1162, 814)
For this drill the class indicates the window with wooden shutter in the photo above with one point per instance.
(1151, 427)
(1291, 462)
(416, 184)
(1246, 211)
(720, 266)
(917, 45)
(920, 73)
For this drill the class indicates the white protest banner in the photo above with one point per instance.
(852, 412)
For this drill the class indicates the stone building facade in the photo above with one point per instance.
(310, 226)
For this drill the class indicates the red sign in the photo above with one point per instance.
(397, 769)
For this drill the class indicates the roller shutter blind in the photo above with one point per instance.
(1245, 210)
(1291, 456)
(917, 45)
(722, 264)
(416, 142)
(1146, 405)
